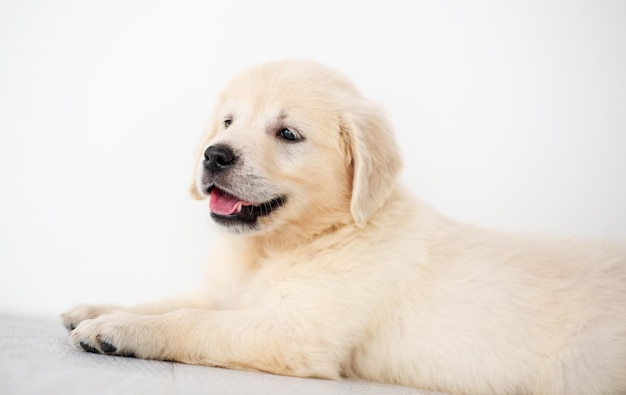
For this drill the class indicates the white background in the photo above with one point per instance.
(511, 115)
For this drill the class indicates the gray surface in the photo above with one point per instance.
(36, 357)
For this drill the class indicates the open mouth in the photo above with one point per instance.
(227, 209)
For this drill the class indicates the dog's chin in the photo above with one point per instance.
(244, 217)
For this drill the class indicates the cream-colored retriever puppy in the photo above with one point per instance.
(328, 268)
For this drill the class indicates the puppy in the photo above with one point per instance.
(328, 268)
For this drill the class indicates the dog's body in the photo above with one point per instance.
(330, 269)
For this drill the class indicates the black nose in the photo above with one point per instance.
(218, 157)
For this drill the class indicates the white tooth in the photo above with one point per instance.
(239, 208)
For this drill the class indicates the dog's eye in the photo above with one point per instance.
(288, 135)
(227, 122)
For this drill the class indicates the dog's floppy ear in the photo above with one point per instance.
(198, 156)
(375, 159)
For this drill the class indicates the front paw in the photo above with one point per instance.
(118, 333)
(82, 312)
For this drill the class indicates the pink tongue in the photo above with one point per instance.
(222, 203)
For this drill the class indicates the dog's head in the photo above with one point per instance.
(294, 143)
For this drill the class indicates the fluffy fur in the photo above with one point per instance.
(354, 277)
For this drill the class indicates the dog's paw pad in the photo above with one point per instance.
(107, 347)
(88, 347)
